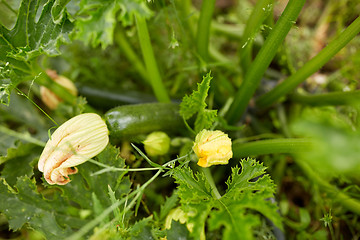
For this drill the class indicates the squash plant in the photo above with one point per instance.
(250, 109)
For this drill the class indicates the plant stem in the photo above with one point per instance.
(211, 181)
(21, 136)
(263, 60)
(311, 66)
(271, 146)
(130, 54)
(346, 201)
(324, 99)
(150, 61)
(203, 29)
(253, 24)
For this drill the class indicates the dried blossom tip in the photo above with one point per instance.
(157, 143)
(212, 148)
(74, 142)
(51, 99)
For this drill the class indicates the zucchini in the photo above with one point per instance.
(131, 121)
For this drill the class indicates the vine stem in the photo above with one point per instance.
(324, 99)
(203, 29)
(253, 24)
(211, 181)
(271, 146)
(21, 136)
(311, 66)
(150, 61)
(263, 60)
(130, 54)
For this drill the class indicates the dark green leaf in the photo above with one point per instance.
(19, 162)
(29, 39)
(27, 206)
(141, 230)
(178, 231)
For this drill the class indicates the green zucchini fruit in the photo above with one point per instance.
(131, 121)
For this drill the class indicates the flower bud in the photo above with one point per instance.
(74, 142)
(51, 99)
(157, 143)
(212, 147)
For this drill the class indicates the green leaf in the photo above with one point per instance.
(250, 188)
(27, 206)
(29, 39)
(141, 230)
(178, 231)
(205, 119)
(196, 101)
(238, 211)
(238, 224)
(169, 204)
(97, 28)
(191, 188)
(56, 218)
(19, 162)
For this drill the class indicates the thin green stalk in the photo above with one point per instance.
(203, 29)
(234, 32)
(28, 98)
(130, 54)
(210, 180)
(343, 199)
(311, 66)
(253, 24)
(271, 146)
(263, 59)
(325, 99)
(21, 136)
(150, 61)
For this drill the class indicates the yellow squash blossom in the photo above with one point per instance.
(212, 148)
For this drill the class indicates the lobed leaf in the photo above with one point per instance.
(248, 197)
(27, 206)
(98, 25)
(196, 101)
(28, 39)
(191, 188)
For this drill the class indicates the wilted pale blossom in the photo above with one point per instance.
(74, 142)
(51, 99)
